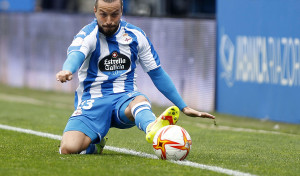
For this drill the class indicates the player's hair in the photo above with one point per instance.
(109, 1)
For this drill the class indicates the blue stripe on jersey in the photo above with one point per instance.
(129, 82)
(107, 86)
(92, 71)
(130, 26)
(90, 27)
(154, 54)
(76, 100)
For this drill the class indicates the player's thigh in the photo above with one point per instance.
(75, 124)
(93, 118)
(74, 142)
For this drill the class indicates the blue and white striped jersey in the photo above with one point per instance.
(110, 62)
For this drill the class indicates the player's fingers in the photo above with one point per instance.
(61, 78)
(69, 77)
(64, 76)
(57, 77)
(206, 115)
(193, 113)
(64, 80)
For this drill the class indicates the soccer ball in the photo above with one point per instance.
(172, 142)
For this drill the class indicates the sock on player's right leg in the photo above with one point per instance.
(143, 115)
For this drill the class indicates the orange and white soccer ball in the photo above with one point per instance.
(172, 142)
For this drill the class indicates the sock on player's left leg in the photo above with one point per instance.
(143, 115)
(95, 148)
(90, 150)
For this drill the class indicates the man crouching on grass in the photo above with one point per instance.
(106, 53)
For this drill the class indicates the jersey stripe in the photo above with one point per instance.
(147, 55)
(119, 83)
(131, 77)
(154, 53)
(83, 70)
(92, 71)
(107, 86)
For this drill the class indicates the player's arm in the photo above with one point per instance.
(71, 65)
(166, 86)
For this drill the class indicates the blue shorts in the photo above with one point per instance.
(94, 117)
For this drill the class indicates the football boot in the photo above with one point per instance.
(100, 146)
(168, 117)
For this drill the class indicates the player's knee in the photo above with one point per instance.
(134, 104)
(139, 105)
(74, 142)
(66, 148)
(138, 99)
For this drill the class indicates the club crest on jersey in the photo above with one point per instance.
(126, 38)
(114, 55)
(114, 64)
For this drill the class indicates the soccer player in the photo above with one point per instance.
(106, 53)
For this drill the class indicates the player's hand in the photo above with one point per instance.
(64, 76)
(193, 113)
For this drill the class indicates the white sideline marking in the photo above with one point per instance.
(135, 153)
(37, 133)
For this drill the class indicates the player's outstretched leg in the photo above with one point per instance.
(168, 117)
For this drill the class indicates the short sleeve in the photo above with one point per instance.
(85, 40)
(148, 57)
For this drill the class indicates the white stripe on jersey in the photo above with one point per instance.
(81, 76)
(146, 58)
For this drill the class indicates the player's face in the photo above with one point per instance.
(108, 16)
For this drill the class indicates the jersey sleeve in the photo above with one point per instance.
(73, 62)
(148, 57)
(85, 40)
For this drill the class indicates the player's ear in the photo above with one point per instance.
(95, 9)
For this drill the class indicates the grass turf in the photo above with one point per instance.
(227, 146)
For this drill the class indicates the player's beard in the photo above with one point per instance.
(109, 30)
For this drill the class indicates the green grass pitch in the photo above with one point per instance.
(241, 144)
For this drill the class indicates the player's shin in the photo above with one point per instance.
(143, 115)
